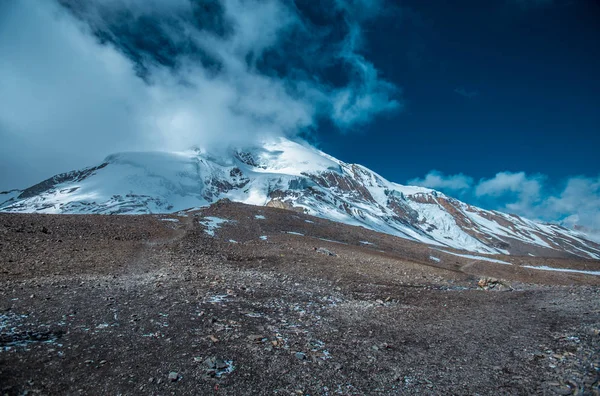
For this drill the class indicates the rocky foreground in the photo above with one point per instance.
(235, 299)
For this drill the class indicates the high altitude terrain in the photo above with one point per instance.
(332, 281)
(287, 174)
(235, 299)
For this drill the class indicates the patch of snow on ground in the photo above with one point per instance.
(491, 260)
(331, 240)
(309, 221)
(263, 237)
(366, 243)
(212, 223)
(434, 259)
(216, 299)
(259, 217)
(227, 370)
(171, 220)
(232, 241)
(545, 268)
(294, 233)
(14, 334)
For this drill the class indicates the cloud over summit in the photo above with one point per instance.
(81, 80)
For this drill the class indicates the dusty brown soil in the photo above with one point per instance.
(142, 305)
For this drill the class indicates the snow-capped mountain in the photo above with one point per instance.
(288, 174)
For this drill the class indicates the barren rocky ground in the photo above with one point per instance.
(236, 299)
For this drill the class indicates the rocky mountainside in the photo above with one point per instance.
(291, 175)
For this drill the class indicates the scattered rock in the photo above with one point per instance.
(492, 283)
(213, 338)
(257, 338)
(216, 367)
(215, 363)
(325, 252)
(278, 343)
(285, 313)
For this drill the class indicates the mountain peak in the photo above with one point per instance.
(293, 175)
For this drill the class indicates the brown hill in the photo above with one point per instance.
(278, 302)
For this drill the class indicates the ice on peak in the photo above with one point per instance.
(288, 157)
(292, 174)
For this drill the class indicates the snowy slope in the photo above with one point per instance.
(292, 175)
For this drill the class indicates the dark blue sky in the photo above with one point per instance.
(500, 97)
(531, 72)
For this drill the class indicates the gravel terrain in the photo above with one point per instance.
(238, 300)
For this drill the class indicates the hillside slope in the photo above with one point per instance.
(291, 175)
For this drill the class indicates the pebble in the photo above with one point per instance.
(173, 376)
(300, 355)
(213, 338)
(257, 338)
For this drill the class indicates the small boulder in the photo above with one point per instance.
(326, 252)
(214, 363)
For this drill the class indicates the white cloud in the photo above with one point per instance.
(63, 95)
(437, 180)
(163, 76)
(368, 94)
(578, 204)
(522, 190)
(574, 204)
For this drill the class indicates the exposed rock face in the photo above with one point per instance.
(289, 175)
(279, 204)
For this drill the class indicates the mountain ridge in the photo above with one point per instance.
(292, 175)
